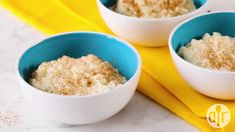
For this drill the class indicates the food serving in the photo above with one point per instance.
(154, 8)
(216, 52)
(88, 75)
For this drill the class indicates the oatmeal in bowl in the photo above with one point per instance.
(88, 75)
(203, 51)
(79, 77)
(154, 8)
(148, 22)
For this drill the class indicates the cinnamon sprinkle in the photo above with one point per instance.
(87, 75)
(8, 119)
(216, 52)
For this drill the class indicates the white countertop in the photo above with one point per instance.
(141, 114)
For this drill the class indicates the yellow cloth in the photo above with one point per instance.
(159, 80)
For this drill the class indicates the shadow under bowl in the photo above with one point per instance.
(80, 109)
(216, 84)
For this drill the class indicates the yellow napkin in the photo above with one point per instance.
(159, 80)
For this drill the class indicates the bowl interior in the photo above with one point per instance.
(111, 3)
(75, 45)
(222, 22)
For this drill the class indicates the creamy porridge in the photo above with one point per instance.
(154, 8)
(214, 51)
(87, 75)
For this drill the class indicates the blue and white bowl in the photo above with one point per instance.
(144, 31)
(216, 84)
(80, 109)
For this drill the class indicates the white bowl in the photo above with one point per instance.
(80, 109)
(144, 31)
(216, 84)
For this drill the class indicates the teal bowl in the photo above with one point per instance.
(117, 52)
(80, 109)
(222, 22)
(217, 84)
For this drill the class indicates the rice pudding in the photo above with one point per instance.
(88, 75)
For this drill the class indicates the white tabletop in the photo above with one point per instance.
(141, 114)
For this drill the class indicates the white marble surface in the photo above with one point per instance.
(141, 114)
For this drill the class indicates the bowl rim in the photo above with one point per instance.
(173, 52)
(206, 4)
(123, 42)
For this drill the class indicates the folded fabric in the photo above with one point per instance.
(159, 80)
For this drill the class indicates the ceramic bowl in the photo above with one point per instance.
(80, 109)
(216, 84)
(144, 31)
